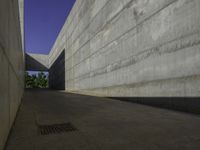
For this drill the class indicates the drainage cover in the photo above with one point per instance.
(56, 128)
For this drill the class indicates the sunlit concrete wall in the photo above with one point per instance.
(11, 64)
(132, 47)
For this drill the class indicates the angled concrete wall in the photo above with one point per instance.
(36, 62)
(132, 48)
(11, 65)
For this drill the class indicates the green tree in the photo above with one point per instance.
(28, 80)
(42, 80)
(36, 81)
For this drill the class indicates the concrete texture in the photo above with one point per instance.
(36, 62)
(11, 65)
(184, 104)
(57, 73)
(102, 124)
(131, 48)
(21, 17)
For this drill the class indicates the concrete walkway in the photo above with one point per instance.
(102, 124)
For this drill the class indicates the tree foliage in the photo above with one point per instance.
(36, 81)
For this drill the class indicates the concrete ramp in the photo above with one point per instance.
(37, 62)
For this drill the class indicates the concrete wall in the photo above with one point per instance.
(132, 47)
(57, 73)
(11, 65)
(36, 62)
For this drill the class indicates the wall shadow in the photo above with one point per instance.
(57, 73)
(183, 104)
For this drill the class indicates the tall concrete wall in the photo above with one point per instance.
(11, 65)
(132, 47)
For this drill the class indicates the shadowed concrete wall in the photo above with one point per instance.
(57, 73)
(36, 62)
(11, 64)
(132, 48)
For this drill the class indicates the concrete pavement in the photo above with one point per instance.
(101, 123)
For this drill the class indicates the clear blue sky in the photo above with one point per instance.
(43, 22)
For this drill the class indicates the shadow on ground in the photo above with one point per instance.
(101, 123)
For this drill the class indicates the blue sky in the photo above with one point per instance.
(43, 22)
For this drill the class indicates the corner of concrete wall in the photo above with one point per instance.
(37, 62)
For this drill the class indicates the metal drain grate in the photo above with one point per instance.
(56, 128)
